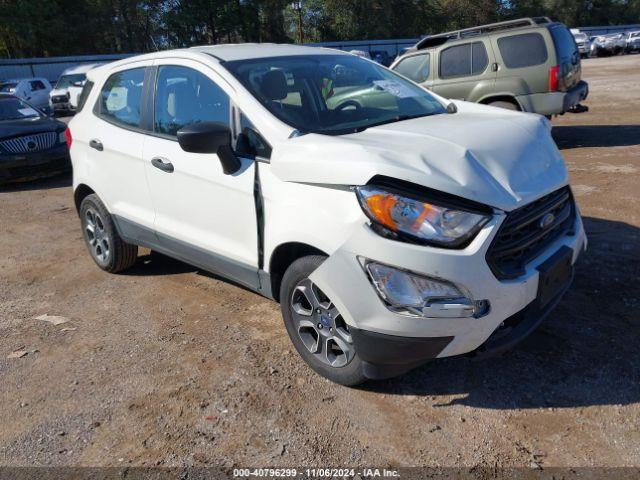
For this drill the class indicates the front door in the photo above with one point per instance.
(202, 216)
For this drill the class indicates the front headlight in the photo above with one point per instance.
(418, 219)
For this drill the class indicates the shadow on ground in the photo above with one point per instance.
(59, 181)
(585, 353)
(580, 136)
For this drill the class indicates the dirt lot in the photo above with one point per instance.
(166, 365)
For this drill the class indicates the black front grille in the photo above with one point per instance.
(59, 98)
(527, 231)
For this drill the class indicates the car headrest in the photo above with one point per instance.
(274, 85)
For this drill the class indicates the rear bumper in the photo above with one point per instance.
(555, 103)
(30, 166)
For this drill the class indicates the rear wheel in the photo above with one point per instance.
(316, 326)
(105, 245)
(504, 104)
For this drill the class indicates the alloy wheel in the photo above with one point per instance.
(320, 325)
(97, 236)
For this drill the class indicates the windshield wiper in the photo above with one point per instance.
(397, 118)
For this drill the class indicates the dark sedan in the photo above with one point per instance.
(32, 145)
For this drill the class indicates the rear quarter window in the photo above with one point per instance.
(82, 98)
(525, 50)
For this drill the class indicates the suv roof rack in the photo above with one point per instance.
(440, 38)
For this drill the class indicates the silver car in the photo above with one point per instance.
(610, 44)
(633, 42)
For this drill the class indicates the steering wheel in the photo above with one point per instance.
(347, 103)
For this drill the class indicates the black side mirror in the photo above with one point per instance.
(210, 137)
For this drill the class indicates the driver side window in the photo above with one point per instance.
(185, 96)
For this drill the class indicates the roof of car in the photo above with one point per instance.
(242, 51)
(84, 68)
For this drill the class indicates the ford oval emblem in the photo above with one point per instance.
(547, 220)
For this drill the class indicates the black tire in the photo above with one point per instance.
(352, 372)
(505, 104)
(108, 250)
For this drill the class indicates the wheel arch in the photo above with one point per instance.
(282, 257)
(80, 193)
(502, 98)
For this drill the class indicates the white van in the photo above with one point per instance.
(64, 97)
(392, 225)
(35, 90)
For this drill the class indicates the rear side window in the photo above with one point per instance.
(37, 85)
(463, 60)
(120, 97)
(185, 96)
(524, 50)
(415, 67)
(564, 42)
(82, 98)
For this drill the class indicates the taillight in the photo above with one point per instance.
(554, 84)
(68, 137)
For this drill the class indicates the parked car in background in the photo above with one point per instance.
(34, 90)
(64, 97)
(32, 144)
(390, 234)
(360, 53)
(610, 44)
(583, 43)
(530, 64)
(633, 42)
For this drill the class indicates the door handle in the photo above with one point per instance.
(163, 164)
(97, 144)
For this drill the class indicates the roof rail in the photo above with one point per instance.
(440, 38)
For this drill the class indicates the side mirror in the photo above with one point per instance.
(210, 137)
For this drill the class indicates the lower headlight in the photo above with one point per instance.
(419, 295)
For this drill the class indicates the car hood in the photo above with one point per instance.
(13, 128)
(497, 157)
(58, 91)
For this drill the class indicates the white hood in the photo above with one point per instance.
(493, 156)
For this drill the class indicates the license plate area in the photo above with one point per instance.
(555, 273)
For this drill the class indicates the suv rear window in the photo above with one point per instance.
(564, 42)
(525, 50)
(463, 60)
(415, 67)
(120, 97)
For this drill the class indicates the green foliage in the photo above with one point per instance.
(31, 28)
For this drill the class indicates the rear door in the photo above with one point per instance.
(464, 69)
(202, 215)
(113, 146)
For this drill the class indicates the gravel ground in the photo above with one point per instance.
(167, 365)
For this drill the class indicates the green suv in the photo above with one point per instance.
(530, 64)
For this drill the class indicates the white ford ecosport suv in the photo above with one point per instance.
(392, 225)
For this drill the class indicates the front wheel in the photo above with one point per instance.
(316, 326)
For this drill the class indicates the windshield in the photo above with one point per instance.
(12, 108)
(8, 87)
(332, 94)
(66, 81)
